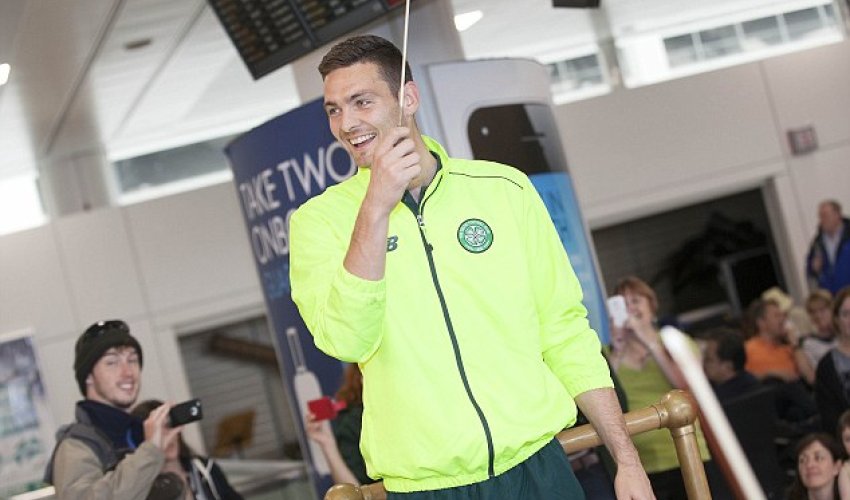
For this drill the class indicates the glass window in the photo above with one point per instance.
(586, 70)
(719, 42)
(760, 33)
(681, 50)
(802, 22)
(829, 15)
(170, 166)
(576, 73)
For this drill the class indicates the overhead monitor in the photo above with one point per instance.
(271, 33)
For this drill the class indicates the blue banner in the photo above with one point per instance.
(556, 189)
(277, 167)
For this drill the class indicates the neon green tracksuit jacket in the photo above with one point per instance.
(474, 343)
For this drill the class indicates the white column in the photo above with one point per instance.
(74, 183)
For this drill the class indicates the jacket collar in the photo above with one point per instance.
(122, 428)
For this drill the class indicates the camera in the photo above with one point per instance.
(184, 413)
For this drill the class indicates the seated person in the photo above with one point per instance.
(818, 466)
(775, 358)
(773, 350)
(796, 315)
(822, 337)
(832, 385)
(646, 372)
(723, 360)
(201, 478)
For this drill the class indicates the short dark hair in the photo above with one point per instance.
(730, 347)
(367, 49)
(834, 204)
(755, 312)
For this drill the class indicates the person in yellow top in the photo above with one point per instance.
(646, 372)
(445, 280)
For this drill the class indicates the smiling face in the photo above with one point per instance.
(115, 378)
(639, 306)
(817, 467)
(361, 108)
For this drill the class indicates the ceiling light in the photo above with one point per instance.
(4, 73)
(465, 21)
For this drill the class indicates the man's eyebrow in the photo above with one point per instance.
(352, 97)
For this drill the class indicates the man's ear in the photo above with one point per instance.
(90, 379)
(410, 99)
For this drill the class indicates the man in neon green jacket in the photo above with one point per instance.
(446, 281)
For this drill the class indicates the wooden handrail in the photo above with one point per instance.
(675, 411)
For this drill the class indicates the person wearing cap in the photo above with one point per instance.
(107, 453)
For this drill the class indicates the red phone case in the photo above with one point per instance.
(325, 408)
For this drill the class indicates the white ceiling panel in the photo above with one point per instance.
(204, 91)
(52, 45)
(76, 87)
(525, 28)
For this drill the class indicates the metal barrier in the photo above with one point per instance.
(675, 411)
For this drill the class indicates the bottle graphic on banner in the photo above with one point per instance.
(307, 388)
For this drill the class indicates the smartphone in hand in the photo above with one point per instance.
(617, 310)
(184, 413)
(325, 408)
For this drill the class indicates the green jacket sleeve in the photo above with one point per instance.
(570, 347)
(344, 313)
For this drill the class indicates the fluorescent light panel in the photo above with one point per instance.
(465, 21)
(4, 73)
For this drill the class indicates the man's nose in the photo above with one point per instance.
(348, 121)
(127, 368)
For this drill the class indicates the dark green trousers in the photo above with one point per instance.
(546, 475)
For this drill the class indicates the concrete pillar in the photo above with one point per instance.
(74, 183)
(607, 48)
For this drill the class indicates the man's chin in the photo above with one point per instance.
(125, 403)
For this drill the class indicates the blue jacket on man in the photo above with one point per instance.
(833, 276)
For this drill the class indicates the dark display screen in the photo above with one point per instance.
(271, 33)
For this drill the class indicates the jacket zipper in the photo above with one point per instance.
(418, 211)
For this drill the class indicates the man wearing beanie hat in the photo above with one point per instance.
(107, 453)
